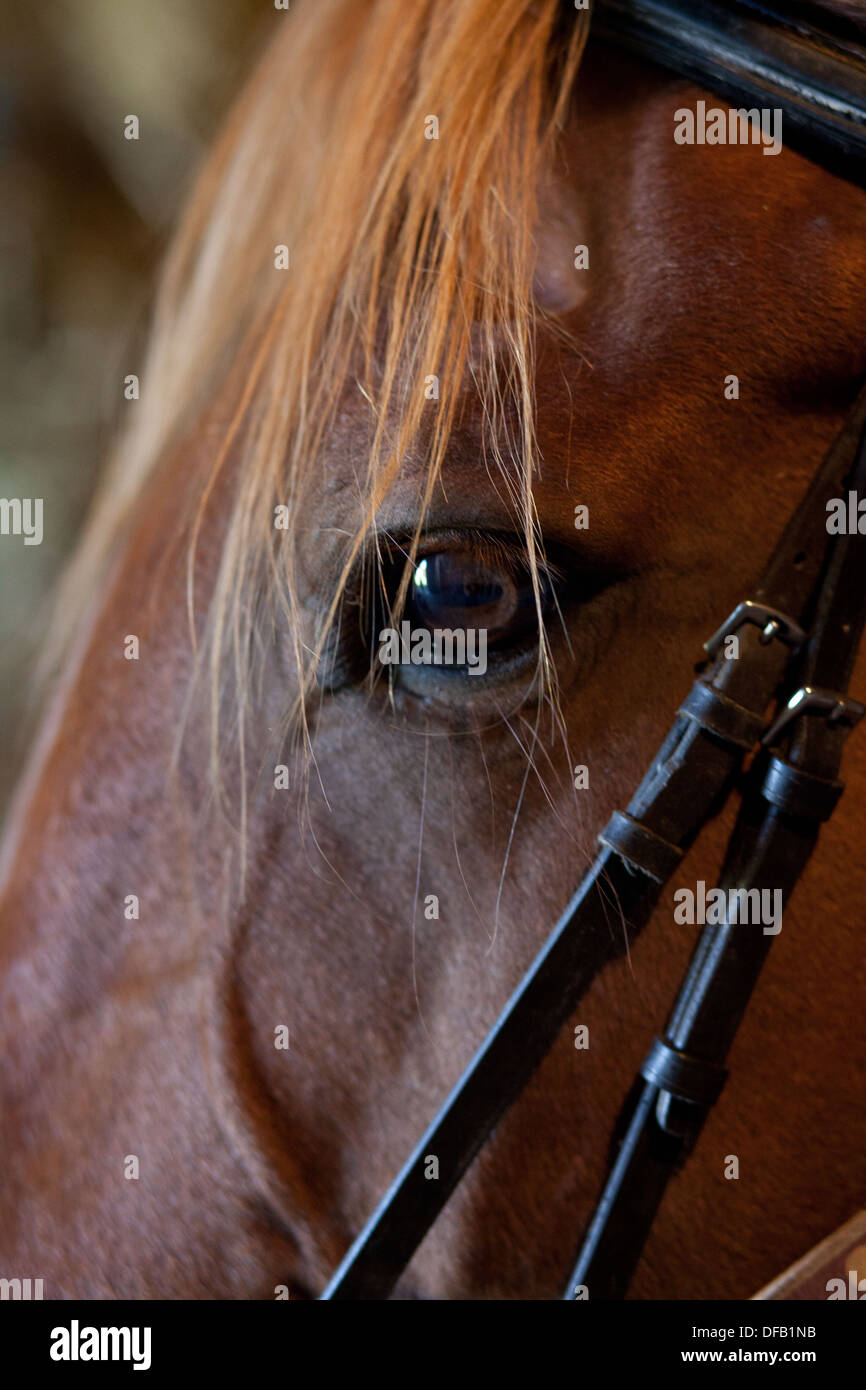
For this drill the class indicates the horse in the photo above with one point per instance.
(447, 294)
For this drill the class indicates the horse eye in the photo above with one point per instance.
(453, 589)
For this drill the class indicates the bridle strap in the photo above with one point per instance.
(773, 838)
(686, 784)
(820, 82)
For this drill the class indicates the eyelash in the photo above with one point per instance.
(487, 547)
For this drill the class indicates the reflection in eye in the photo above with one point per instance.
(456, 589)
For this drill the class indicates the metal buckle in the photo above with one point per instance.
(773, 622)
(809, 699)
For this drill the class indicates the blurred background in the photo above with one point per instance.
(86, 215)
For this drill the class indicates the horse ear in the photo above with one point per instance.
(563, 255)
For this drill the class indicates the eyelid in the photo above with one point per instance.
(489, 547)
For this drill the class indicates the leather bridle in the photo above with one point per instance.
(780, 706)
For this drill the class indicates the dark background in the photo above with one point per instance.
(86, 215)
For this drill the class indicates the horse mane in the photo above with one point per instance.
(403, 250)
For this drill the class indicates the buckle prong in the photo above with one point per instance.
(772, 622)
(810, 699)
